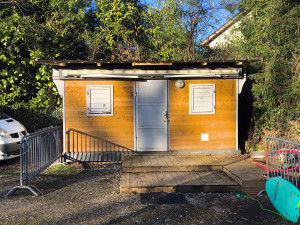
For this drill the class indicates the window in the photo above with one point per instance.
(99, 100)
(202, 99)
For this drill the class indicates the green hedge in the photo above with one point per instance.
(35, 119)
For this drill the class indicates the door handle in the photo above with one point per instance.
(166, 116)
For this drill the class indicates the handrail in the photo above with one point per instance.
(84, 147)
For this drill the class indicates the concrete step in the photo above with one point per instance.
(209, 181)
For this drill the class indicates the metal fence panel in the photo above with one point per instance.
(37, 151)
(282, 158)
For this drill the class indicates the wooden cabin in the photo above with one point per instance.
(173, 106)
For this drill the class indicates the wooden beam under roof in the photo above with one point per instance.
(152, 64)
(238, 63)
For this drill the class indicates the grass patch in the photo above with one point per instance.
(61, 170)
(9, 173)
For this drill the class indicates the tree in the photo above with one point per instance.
(271, 30)
(36, 29)
(167, 31)
(179, 27)
(120, 31)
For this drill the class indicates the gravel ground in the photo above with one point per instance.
(89, 194)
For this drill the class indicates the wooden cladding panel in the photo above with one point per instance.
(186, 129)
(118, 129)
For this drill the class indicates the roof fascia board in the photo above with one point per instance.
(149, 74)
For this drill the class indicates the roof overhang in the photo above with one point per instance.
(149, 74)
(206, 68)
(204, 62)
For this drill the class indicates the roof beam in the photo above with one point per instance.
(62, 64)
(152, 64)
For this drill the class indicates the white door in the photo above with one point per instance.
(151, 115)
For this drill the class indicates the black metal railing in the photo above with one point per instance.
(282, 158)
(83, 147)
(38, 151)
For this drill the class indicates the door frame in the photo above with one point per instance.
(135, 116)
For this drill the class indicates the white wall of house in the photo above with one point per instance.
(227, 36)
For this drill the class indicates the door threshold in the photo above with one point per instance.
(152, 152)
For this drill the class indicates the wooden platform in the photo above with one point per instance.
(145, 173)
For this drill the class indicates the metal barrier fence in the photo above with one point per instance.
(83, 147)
(282, 158)
(37, 151)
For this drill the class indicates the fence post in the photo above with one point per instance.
(68, 146)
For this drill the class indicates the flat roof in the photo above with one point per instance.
(133, 64)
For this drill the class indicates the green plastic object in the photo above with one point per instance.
(240, 195)
(285, 197)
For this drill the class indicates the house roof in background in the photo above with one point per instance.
(222, 29)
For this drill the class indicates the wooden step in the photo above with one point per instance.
(210, 181)
(212, 173)
(170, 168)
(251, 182)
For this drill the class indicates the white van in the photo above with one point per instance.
(11, 132)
